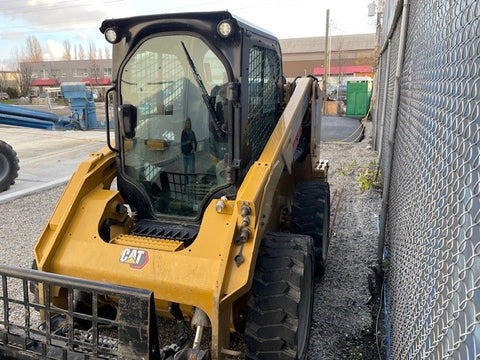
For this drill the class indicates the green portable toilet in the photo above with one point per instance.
(358, 98)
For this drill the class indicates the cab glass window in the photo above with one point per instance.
(178, 152)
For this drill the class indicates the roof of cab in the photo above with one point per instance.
(213, 17)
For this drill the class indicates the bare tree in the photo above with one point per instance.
(67, 50)
(81, 52)
(100, 54)
(3, 79)
(23, 74)
(92, 51)
(107, 52)
(23, 58)
(33, 49)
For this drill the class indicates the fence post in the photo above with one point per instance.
(384, 104)
(391, 136)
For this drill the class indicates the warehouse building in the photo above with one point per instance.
(350, 56)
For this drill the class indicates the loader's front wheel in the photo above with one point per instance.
(311, 216)
(8, 166)
(281, 302)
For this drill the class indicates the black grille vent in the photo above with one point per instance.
(155, 229)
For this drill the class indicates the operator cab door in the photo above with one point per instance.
(167, 79)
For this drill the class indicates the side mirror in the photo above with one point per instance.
(128, 120)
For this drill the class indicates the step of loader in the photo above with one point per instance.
(148, 242)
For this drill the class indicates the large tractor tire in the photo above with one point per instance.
(281, 302)
(311, 216)
(8, 166)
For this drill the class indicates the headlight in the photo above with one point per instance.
(112, 35)
(224, 28)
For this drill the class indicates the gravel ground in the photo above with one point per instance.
(345, 312)
(346, 306)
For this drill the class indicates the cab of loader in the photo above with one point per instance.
(213, 69)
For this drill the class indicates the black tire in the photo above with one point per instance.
(311, 216)
(280, 306)
(8, 166)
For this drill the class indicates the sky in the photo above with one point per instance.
(54, 21)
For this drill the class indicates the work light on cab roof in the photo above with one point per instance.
(224, 28)
(112, 35)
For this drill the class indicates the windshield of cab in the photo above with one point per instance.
(178, 153)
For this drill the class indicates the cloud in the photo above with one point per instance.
(82, 36)
(56, 15)
(53, 50)
(12, 35)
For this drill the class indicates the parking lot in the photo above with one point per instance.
(47, 158)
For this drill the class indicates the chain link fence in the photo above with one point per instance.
(427, 132)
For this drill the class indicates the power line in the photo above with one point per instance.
(56, 23)
(51, 6)
(21, 8)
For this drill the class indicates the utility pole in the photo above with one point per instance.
(326, 62)
(373, 9)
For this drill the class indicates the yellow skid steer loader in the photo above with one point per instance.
(209, 207)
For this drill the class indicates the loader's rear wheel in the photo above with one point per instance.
(8, 166)
(311, 216)
(280, 306)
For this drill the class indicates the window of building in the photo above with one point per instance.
(95, 72)
(80, 72)
(55, 73)
(107, 71)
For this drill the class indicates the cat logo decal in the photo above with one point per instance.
(136, 258)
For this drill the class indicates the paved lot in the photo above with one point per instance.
(47, 158)
(341, 129)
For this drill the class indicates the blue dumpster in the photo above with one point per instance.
(82, 105)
